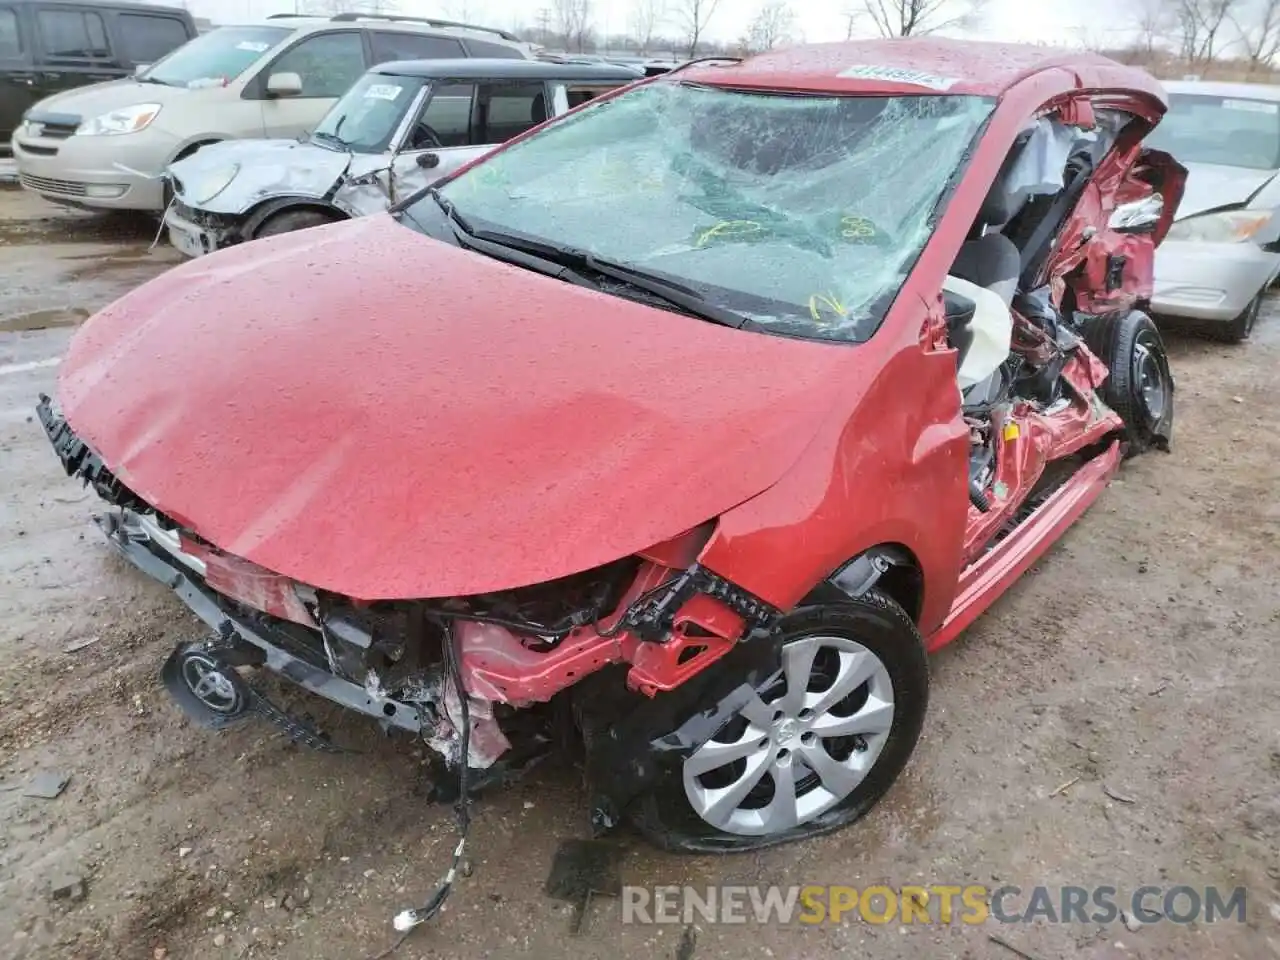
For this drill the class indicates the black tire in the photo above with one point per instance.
(664, 814)
(1139, 385)
(288, 221)
(1239, 329)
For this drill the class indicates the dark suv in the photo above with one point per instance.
(47, 46)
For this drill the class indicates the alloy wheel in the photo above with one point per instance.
(803, 744)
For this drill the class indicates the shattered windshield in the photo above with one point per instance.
(215, 58)
(368, 115)
(803, 214)
(1232, 131)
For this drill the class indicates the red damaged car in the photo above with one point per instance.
(680, 428)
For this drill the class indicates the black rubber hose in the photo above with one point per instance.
(978, 497)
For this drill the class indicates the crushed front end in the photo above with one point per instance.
(194, 233)
(588, 654)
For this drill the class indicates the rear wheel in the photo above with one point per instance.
(290, 220)
(1139, 385)
(823, 739)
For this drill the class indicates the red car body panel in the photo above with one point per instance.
(974, 67)
(464, 427)
(512, 429)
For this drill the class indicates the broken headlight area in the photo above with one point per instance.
(655, 619)
(224, 229)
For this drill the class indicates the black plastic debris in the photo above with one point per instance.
(70, 887)
(688, 941)
(582, 870)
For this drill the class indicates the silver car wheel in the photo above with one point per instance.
(793, 753)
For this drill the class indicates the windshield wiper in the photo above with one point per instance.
(150, 79)
(324, 137)
(674, 293)
(469, 240)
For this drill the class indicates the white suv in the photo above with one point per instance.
(107, 146)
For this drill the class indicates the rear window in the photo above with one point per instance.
(389, 46)
(147, 38)
(10, 39)
(480, 48)
(217, 57)
(73, 35)
(1230, 131)
(512, 110)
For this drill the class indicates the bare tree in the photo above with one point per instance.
(573, 21)
(330, 8)
(460, 9)
(772, 26)
(645, 18)
(1153, 22)
(851, 17)
(1259, 30)
(692, 17)
(1198, 26)
(913, 18)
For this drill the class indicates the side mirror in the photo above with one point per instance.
(284, 85)
(428, 161)
(1138, 216)
(140, 69)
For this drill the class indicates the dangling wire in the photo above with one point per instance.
(407, 920)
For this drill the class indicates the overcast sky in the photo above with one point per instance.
(1061, 22)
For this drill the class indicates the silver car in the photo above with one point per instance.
(105, 146)
(1224, 249)
(401, 127)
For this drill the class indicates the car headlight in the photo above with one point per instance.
(206, 185)
(1225, 226)
(125, 120)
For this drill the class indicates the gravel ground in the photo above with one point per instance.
(1135, 663)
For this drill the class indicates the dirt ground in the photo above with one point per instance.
(1136, 663)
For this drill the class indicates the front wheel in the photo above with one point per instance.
(288, 221)
(823, 739)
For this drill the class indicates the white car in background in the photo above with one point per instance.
(401, 127)
(1223, 251)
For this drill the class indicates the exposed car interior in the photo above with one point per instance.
(997, 270)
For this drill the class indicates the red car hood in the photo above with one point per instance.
(384, 416)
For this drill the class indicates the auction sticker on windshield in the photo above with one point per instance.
(382, 91)
(253, 46)
(916, 78)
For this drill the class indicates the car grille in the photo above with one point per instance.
(65, 188)
(53, 129)
(37, 151)
(60, 131)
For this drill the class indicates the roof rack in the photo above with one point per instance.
(429, 21)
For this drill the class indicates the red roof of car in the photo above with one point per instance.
(916, 65)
